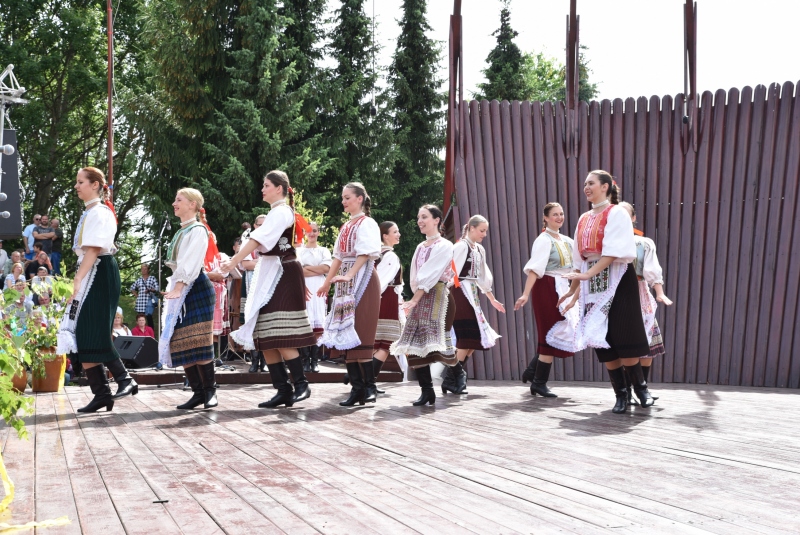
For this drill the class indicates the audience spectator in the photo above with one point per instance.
(27, 237)
(41, 299)
(16, 257)
(3, 259)
(43, 277)
(22, 306)
(145, 289)
(16, 273)
(58, 240)
(119, 329)
(142, 329)
(44, 234)
(42, 260)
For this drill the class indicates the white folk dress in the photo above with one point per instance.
(317, 307)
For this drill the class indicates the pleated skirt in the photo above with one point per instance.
(192, 340)
(423, 331)
(625, 334)
(366, 323)
(544, 300)
(465, 323)
(283, 322)
(96, 320)
(388, 320)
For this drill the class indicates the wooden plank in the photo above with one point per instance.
(481, 134)
(617, 150)
(528, 150)
(772, 302)
(638, 176)
(20, 460)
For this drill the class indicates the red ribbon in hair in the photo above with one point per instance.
(638, 232)
(301, 226)
(212, 252)
(290, 190)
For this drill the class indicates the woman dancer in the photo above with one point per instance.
(472, 329)
(390, 275)
(186, 339)
(276, 322)
(648, 271)
(610, 312)
(316, 263)
(89, 318)
(351, 324)
(551, 259)
(426, 335)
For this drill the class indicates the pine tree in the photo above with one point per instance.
(360, 143)
(505, 78)
(418, 125)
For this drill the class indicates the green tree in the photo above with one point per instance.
(418, 172)
(505, 76)
(587, 90)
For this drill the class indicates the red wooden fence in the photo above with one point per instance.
(724, 220)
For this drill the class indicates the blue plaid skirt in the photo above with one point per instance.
(192, 340)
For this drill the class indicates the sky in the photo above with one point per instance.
(635, 46)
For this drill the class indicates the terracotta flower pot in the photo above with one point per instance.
(20, 381)
(54, 373)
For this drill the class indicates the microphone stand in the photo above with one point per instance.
(160, 238)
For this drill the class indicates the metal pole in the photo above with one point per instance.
(110, 175)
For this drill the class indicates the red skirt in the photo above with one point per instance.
(544, 300)
(465, 324)
(388, 320)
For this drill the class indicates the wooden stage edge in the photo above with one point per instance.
(166, 377)
(723, 460)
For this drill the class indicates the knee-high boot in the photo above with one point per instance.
(297, 369)
(368, 373)
(530, 371)
(280, 381)
(539, 384)
(426, 384)
(126, 385)
(255, 358)
(646, 373)
(198, 398)
(640, 385)
(314, 351)
(620, 389)
(98, 382)
(357, 390)
(377, 364)
(209, 386)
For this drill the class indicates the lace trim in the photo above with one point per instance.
(488, 335)
(262, 295)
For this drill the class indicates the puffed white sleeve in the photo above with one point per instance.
(438, 262)
(337, 254)
(327, 260)
(485, 278)
(191, 255)
(387, 269)
(540, 255)
(618, 236)
(651, 269)
(277, 221)
(460, 254)
(99, 229)
(368, 240)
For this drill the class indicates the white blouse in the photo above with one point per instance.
(646, 262)
(277, 221)
(388, 269)
(190, 257)
(368, 241)
(542, 256)
(314, 256)
(617, 238)
(484, 278)
(98, 230)
(431, 264)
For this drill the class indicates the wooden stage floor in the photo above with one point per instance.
(704, 460)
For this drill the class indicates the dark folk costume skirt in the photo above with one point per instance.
(366, 322)
(422, 328)
(544, 300)
(388, 320)
(625, 334)
(283, 322)
(96, 320)
(192, 340)
(465, 324)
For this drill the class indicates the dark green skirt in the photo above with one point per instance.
(93, 330)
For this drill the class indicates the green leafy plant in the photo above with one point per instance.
(14, 356)
(41, 327)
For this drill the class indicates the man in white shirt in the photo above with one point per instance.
(27, 236)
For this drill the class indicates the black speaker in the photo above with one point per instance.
(137, 351)
(10, 227)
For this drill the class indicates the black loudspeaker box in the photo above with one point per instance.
(137, 351)
(10, 227)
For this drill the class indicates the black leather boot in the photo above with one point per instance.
(368, 373)
(539, 383)
(126, 386)
(646, 373)
(280, 380)
(262, 363)
(631, 400)
(198, 398)
(305, 358)
(620, 389)
(460, 375)
(640, 385)
(315, 351)
(209, 386)
(255, 358)
(426, 384)
(357, 390)
(530, 371)
(448, 380)
(377, 364)
(301, 390)
(98, 382)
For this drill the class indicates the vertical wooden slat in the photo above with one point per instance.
(529, 149)
(479, 112)
(636, 183)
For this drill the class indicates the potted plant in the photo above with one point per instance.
(41, 337)
(13, 358)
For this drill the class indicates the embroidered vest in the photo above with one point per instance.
(591, 229)
(398, 278)
(560, 254)
(284, 247)
(348, 235)
(175, 244)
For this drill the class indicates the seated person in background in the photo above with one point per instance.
(142, 328)
(41, 300)
(43, 277)
(15, 273)
(39, 259)
(21, 307)
(119, 328)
